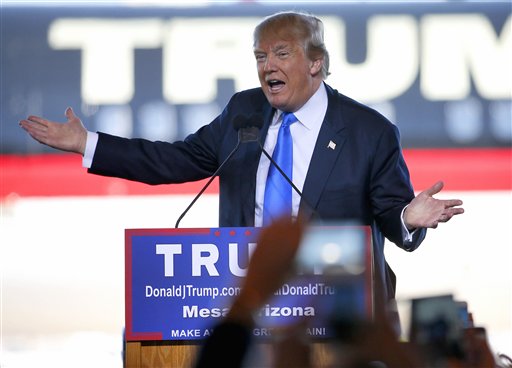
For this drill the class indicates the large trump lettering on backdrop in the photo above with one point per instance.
(448, 55)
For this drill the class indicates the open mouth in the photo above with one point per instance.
(275, 84)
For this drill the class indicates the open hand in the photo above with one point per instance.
(70, 136)
(425, 211)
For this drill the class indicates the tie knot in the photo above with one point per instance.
(288, 119)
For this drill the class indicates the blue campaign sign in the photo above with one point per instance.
(181, 282)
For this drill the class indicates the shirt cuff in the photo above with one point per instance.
(90, 148)
(406, 234)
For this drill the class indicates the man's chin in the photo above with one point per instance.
(276, 102)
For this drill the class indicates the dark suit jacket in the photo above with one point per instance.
(364, 178)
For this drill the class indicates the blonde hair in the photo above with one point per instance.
(297, 26)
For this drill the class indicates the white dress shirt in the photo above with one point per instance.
(304, 134)
(90, 147)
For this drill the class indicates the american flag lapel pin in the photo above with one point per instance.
(331, 145)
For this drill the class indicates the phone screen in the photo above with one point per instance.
(341, 256)
(337, 251)
(436, 325)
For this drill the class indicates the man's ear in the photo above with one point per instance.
(316, 66)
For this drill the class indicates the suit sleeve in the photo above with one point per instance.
(195, 158)
(159, 162)
(391, 188)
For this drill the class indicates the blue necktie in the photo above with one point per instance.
(278, 192)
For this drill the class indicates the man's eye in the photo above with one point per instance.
(260, 57)
(283, 54)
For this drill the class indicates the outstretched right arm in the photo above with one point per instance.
(70, 136)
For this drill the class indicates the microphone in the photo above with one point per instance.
(248, 131)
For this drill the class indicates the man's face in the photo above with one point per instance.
(287, 76)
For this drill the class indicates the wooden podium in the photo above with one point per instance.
(157, 354)
(180, 282)
(165, 355)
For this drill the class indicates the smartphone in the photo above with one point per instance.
(436, 326)
(334, 251)
(463, 312)
(339, 255)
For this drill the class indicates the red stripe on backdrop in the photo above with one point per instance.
(461, 169)
(63, 175)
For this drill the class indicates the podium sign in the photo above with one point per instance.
(181, 282)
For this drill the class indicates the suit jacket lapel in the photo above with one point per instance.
(328, 147)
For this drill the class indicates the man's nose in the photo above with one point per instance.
(269, 64)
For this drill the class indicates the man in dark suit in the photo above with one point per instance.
(347, 157)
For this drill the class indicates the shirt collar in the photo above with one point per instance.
(313, 111)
